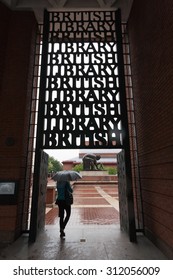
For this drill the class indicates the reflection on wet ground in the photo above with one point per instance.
(91, 206)
(93, 233)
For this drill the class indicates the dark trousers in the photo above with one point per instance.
(64, 213)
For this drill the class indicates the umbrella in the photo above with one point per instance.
(66, 175)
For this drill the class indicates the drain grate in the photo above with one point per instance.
(82, 240)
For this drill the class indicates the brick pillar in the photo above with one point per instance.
(17, 34)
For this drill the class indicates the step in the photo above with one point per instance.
(84, 184)
(99, 178)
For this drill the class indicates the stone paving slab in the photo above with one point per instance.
(92, 205)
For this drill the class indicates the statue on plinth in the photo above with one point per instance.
(90, 162)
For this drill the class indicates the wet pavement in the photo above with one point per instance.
(93, 232)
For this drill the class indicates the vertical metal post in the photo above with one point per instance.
(39, 135)
(126, 143)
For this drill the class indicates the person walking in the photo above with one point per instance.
(64, 204)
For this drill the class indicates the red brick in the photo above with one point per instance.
(150, 29)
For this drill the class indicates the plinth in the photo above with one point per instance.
(94, 173)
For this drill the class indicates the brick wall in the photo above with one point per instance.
(17, 32)
(150, 29)
(4, 23)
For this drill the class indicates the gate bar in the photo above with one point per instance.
(39, 135)
(126, 143)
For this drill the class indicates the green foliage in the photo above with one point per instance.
(111, 170)
(78, 167)
(54, 165)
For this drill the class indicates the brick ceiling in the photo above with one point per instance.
(70, 5)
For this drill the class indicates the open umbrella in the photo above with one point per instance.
(66, 175)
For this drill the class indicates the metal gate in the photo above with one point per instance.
(82, 100)
(127, 221)
(39, 198)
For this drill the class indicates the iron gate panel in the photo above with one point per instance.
(38, 208)
(122, 191)
(81, 94)
(127, 219)
(81, 105)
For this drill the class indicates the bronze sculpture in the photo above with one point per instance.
(90, 162)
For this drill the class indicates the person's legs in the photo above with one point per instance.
(68, 213)
(63, 222)
(61, 218)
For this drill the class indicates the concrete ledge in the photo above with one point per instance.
(94, 182)
(107, 178)
(94, 173)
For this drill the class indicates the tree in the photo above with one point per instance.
(54, 165)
